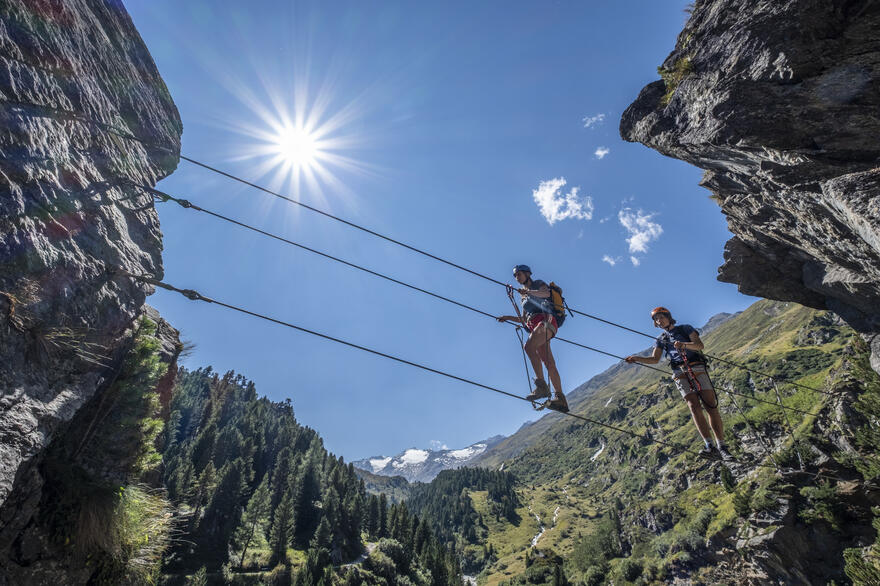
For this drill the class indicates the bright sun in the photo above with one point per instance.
(297, 147)
(298, 143)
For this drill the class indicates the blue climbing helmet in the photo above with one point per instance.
(556, 302)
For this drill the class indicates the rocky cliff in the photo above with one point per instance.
(69, 69)
(780, 103)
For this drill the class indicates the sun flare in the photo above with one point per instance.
(297, 147)
(301, 140)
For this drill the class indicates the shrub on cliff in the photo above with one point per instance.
(93, 500)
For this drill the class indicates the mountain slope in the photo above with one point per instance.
(602, 506)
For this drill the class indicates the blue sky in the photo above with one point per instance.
(485, 133)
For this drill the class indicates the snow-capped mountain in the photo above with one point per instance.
(417, 465)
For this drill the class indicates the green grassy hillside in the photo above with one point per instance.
(620, 508)
(770, 336)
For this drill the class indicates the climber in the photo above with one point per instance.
(683, 346)
(538, 318)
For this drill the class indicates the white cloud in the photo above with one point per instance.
(609, 260)
(556, 206)
(603, 220)
(438, 445)
(636, 262)
(591, 121)
(642, 230)
(601, 152)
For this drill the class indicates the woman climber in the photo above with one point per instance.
(538, 318)
(682, 346)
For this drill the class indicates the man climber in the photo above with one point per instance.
(537, 317)
(682, 346)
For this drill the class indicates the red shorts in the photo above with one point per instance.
(537, 319)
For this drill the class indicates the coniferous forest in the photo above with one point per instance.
(257, 494)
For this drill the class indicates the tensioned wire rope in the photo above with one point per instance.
(189, 205)
(111, 130)
(194, 295)
(461, 267)
(127, 135)
(163, 196)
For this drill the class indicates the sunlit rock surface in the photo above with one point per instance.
(68, 213)
(780, 103)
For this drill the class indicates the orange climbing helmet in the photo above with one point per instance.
(661, 309)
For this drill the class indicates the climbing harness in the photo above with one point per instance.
(693, 377)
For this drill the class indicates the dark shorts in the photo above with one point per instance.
(537, 319)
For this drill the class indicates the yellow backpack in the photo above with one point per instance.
(558, 301)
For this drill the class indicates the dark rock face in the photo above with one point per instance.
(68, 212)
(780, 103)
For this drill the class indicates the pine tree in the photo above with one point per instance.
(323, 535)
(306, 492)
(314, 569)
(203, 489)
(420, 538)
(254, 517)
(282, 529)
(372, 519)
(383, 517)
(223, 512)
(281, 478)
(203, 449)
(558, 577)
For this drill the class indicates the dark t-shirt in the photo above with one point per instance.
(680, 333)
(531, 304)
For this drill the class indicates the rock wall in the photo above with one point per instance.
(67, 213)
(780, 103)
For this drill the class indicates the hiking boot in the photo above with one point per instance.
(724, 454)
(710, 453)
(542, 391)
(558, 403)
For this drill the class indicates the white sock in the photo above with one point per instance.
(708, 445)
(719, 443)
